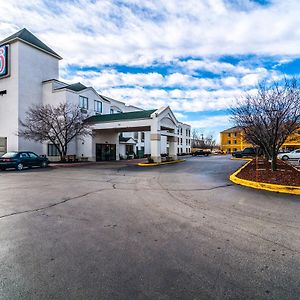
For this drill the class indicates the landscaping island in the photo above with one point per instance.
(257, 174)
(260, 171)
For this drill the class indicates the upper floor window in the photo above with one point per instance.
(97, 106)
(228, 134)
(228, 142)
(83, 102)
(235, 134)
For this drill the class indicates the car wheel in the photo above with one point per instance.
(44, 164)
(285, 157)
(20, 167)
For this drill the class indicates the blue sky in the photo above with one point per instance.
(197, 56)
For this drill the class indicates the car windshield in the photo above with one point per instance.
(9, 154)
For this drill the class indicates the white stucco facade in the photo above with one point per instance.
(34, 79)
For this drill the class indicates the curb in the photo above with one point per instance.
(162, 163)
(58, 166)
(277, 188)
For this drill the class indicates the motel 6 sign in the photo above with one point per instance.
(3, 61)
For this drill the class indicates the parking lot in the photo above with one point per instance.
(118, 231)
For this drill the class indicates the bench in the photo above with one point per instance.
(71, 158)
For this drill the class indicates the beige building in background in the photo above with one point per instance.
(233, 139)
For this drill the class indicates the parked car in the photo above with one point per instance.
(290, 155)
(217, 152)
(19, 160)
(201, 152)
(246, 152)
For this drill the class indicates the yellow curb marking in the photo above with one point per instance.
(235, 158)
(278, 188)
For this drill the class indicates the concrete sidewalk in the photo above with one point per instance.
(89, 163)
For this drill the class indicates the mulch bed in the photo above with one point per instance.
(260, 170)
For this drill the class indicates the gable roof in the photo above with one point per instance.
(144, 114)
(232, 129)
(76, 87)
(27, 37)
(126, 140)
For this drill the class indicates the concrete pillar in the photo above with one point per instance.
(172, 147)
(117, 146)
(155, 146)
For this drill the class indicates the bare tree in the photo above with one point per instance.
(201, 141)
(269, 116)
(209, 142)
(58, 125)
(197, 139)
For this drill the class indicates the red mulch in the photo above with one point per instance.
(260, 170)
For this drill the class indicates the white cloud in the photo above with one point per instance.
(186, 36)
(140, 32)
(209, 123)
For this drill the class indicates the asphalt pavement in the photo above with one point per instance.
(118, 231)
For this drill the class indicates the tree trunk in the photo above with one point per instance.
(63, 157)
(274, 163)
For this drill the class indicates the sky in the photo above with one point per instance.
(197, 56)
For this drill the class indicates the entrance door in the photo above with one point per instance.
(105, 152)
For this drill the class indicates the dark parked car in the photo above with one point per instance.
(201, 152)
(19, 160)
(246, 152)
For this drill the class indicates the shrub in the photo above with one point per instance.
(150, 160)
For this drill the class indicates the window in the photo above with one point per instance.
(229, 135)
(23, 155)
(111, 111)
(52, 150)
(235, 142)
(98, 106)
(83, 102)
(181, 141)
(32, 155)
(228, 142)
(235, 134)
(143, 136)
(136, 135)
